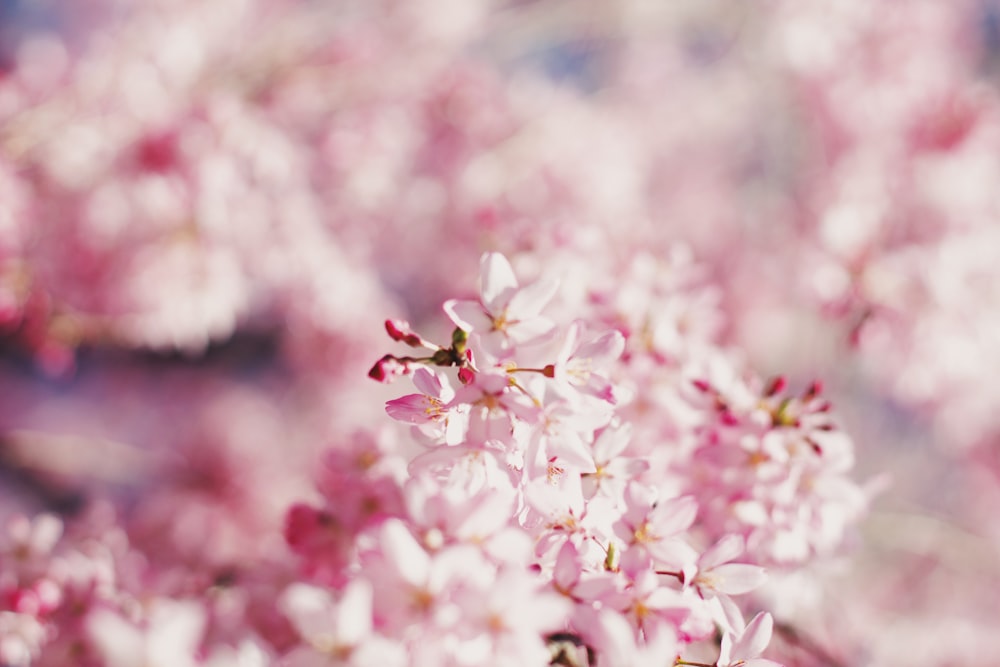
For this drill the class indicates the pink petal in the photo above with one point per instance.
(497, 281)
(615, 641)
(666, 598)
(755, 638)
(723, 551)
(309, 608)
(569, 342)
(427, 382)
(413, 409)
(530, 300)
(119, 642)
(738, 578)
(403, 551)
(491, 347)
(304, 656)
(731, 618)
(607, 347)
(612, 442)
(673, 516)
(468, 315)
(567, 569)
(354, 613)
(486, 513)
(673, 553)
(726, 651)
(570, 449)
(520, 406)
(530, 330)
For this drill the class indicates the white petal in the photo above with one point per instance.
(354, 613)
(530, 330)
(723, 551)
(755, 638)
(402, 549)
(497, 281)
(738, 578)
(530, 300)
(309, 608)
(468, 315)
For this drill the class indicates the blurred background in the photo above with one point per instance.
(208, 208)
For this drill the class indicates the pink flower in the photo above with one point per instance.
(21, 638)
(612, 469)
(716, 574)
(506, 314)
(718, 578)
(430, 407)
(744, 650)
(617, 643)
(170, 636)
(336, 631)
(657, 526)
(513, 613)
(582, 363)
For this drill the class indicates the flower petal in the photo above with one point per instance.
(354, 613)
(755, 638)
(497, 282)
(468, 315)
(738, 578)
(723, 551)
(530, 300)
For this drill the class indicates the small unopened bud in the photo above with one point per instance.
(387, 369)
(609, 561)
(399, 330)
(776, 385)
(701, 385)
(459, 338)
(466, 375)
(814, 390)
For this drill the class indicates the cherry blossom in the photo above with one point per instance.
(506, 314)
(610, 249)
(746, 648)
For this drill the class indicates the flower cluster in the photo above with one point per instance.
(531, 527)
(207, 208)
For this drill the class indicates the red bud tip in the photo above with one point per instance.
(399, 330)
(387, 369)
(814, 390)
(396, 329)
(728, 418)
(776, 385)
(377, 372)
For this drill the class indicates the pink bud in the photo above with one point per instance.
(776, 385)
(387, 369)
(814, 390)
(399, 330)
